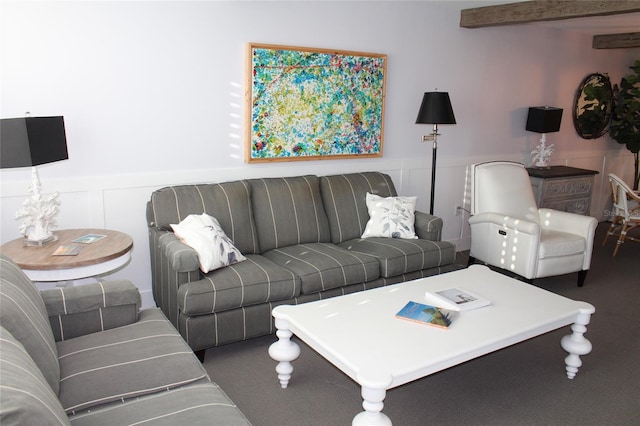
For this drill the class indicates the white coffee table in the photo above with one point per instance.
(359, 334)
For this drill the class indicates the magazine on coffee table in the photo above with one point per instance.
(457, 299)
(427, 314)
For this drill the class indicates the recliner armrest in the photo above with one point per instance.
(85, 309)
(520, 225)
(428, 227)
(572, 223)
(567, 222)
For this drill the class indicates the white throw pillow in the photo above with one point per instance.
(204, 234)
(391, 217)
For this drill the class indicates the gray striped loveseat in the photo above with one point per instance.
(86, 356)
(301, 236)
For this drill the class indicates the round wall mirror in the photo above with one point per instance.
(593, 106)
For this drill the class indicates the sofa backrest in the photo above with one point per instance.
(288, 211)
(26, 397)
(344, 198)
(24, 315)
(228, 202)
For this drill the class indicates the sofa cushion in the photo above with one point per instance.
(204, 234)
(256, 280)
(229, 203)
(400, 256)
(390, 217)
(323, 266)
(24, 315)
(288, 211)
(344, 198)
(145, 357)
(189, 405)
(25, 396)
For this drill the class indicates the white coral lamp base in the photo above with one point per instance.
(38, 215)
(542, 153)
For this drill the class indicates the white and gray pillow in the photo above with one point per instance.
(391, 217)
(204, 234)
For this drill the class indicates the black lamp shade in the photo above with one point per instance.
(436, 109)
(544, 119)
(31, 141)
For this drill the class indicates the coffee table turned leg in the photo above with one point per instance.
(373, 394)
(284, 351)
(576, 344)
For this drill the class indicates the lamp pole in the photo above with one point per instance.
(434, 138)
(435, 109)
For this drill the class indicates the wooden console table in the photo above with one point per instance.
(563, 188)
(100, 257)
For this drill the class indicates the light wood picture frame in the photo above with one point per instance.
(313, 104)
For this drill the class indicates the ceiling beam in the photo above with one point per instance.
(543, 10)
(616, 41)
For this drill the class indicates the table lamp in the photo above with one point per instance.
(30, 142)
(435, 109)
(543, 119)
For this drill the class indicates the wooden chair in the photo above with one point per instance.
(626, 212)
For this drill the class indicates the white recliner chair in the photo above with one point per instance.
(510, 232)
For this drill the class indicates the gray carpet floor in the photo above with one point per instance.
(524, 384)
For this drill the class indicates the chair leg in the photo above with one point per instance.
(623, 234)
(611, 229)
(582, 275)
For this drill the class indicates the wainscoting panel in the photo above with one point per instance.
(119, 202)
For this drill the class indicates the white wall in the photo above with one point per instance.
(153, 94)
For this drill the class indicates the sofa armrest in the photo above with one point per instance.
(182, 257)
(428, 227)
(85, 309)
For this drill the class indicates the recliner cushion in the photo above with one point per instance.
(503, 187)
(398, 256)
(323, 266)
(556, 244)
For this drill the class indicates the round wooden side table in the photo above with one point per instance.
(102, 256)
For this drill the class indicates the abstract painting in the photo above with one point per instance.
(312, 104)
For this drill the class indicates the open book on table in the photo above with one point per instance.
(456, 299)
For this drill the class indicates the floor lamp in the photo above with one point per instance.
(435, 109)
(30, 142)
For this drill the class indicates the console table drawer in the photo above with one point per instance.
(580, 205)
(563, 188)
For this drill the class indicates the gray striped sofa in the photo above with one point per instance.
(87, 356)
(301, 237)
